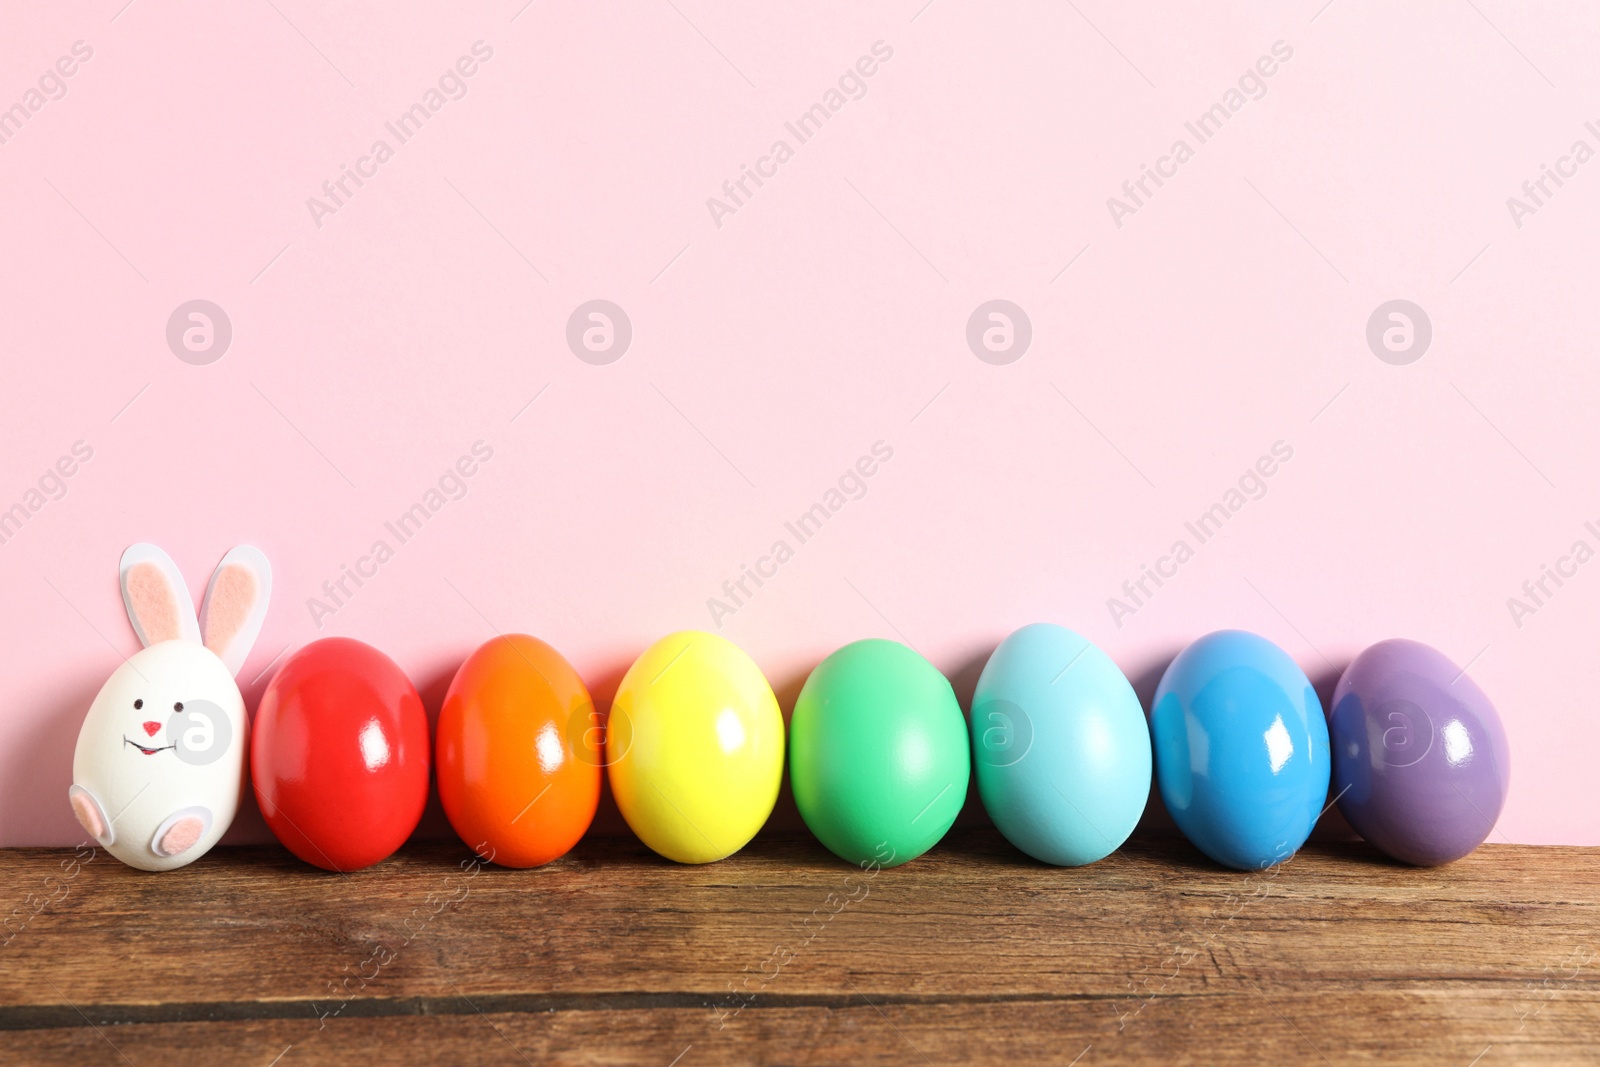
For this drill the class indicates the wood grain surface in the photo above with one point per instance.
(784, 954)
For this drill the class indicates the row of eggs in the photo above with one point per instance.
(879, 753)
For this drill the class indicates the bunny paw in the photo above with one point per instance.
(181, 831)
(91, 816)
(181, 836)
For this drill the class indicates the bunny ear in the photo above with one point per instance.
(157, 600)
(236, 602)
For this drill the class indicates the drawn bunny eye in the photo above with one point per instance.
(178, 706)
(137, 704)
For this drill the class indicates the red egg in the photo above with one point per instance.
(339, 755)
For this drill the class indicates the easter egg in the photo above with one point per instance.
(694, 747)
(518, 753)
(1420, 760)
(1061, 747)
(1241, 749)
(878, 753)
(339, 754)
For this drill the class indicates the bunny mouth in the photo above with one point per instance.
(126, 740)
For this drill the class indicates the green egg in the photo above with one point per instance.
(879, 756)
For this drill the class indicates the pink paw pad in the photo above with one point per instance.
(88, 814)
(182, 835)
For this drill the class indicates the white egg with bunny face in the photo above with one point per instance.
(159, 769)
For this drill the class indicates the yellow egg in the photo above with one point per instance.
(694, 747)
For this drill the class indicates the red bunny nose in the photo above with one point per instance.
(151, 728)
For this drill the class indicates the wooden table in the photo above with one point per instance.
(784, 954)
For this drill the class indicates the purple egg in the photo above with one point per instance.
(1420, 760)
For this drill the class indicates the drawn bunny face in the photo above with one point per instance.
(167, 704)
(159, 767)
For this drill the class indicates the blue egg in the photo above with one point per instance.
(1241, 746)
(1062, 750)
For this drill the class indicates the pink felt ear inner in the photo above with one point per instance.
(152, 601)
(232, 598)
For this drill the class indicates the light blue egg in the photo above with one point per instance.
(1241, 747)
(1061, 746)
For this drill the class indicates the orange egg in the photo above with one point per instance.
(519, 752)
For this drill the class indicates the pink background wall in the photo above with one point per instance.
(827, 313)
